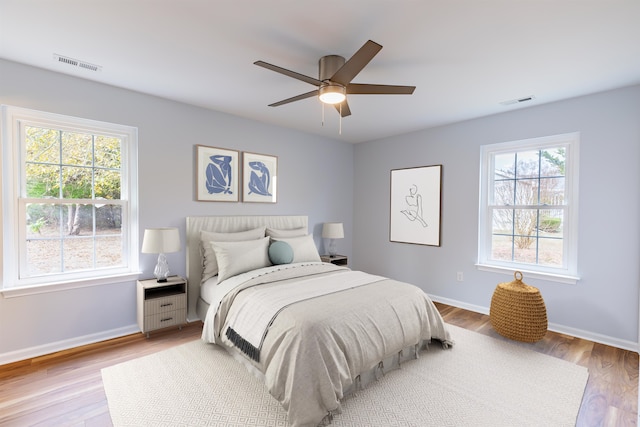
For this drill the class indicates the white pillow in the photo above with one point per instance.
(239, 257)
(304, 248)
(288, 232)
(209, 262)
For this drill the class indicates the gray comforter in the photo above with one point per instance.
(316, 348)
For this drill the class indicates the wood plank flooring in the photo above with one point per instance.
(65, 388)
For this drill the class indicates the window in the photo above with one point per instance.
(528, 207)
(69, 196)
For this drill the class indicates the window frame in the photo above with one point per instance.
(568, 273)
(14, 120)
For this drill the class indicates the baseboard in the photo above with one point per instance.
(41, 350)
(562, 329)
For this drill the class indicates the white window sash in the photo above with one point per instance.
(12, 252)
(568, 272)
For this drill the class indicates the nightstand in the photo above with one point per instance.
(336, 259)
(161, 305)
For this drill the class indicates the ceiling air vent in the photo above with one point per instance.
(76, 63)
(518, 101)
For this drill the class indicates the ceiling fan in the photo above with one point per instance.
(334, 81)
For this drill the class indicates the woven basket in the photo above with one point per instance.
(518, 311)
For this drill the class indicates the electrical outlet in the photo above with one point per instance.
(459, 276)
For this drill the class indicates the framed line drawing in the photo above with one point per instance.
(416, 198)
(259, 178)
(217, 174)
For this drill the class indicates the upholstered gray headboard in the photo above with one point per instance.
(225, 224)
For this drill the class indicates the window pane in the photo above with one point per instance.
(552, 162)
(77, 149)
(78, 253)
(503, 194)
(43, 221)
(502, 221)
(42, 145)
(42, 180)
(107, 152)
(43, 257)
(109, 251)
(552, 191)
(504, 166)
(109, 242)
(525, 228)
(76, 182)
(109, 219)
(550, 252)
(107, 184)
(551, 221)
(501, 248)
(526, 192)
(527, 164)
(526, 254)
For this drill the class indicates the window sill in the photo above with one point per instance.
(551, 277)
(22, 291)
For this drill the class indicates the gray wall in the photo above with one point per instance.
(603, 305)
(315, 178)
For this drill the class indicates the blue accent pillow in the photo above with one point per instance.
(280, 253)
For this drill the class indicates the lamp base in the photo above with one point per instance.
(162, 269)
(332, 249)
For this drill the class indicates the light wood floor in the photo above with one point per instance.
(65, 388)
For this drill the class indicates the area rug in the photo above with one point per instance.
(481, 381)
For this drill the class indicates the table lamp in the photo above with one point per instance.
(332, 231)
(161, 241)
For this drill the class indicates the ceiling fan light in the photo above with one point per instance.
(332, 94)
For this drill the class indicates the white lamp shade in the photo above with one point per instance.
(160, 240)
(332, 230)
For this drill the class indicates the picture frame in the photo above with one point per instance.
(217, 174)
(416, 205)
(259, 178)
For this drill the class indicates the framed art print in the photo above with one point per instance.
(415, 205)
(217, 174)
(259, 178)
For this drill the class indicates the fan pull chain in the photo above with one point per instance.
(340, 125)
(322, 113)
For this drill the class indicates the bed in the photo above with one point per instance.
(314, 332)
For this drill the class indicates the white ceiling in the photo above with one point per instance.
(464, 56)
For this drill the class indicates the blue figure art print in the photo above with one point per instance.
(259, 179)
(219, 175)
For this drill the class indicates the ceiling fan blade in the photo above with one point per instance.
(366, 89)
(356, 63)
(295, 98)
(289, 73)
(343, 108)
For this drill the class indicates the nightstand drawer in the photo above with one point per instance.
(164, 304)
(163, 320)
